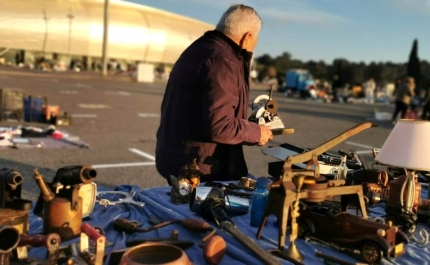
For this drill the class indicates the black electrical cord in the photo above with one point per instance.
(406, 219)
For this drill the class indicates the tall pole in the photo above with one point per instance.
(70, 17)
(45, 17)
(105, 37)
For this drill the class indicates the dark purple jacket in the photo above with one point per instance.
(204, 111)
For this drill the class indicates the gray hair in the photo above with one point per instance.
(238, 20)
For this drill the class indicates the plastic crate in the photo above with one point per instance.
(34, 109)
(12, 104)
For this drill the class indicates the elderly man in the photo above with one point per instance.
(205, 107)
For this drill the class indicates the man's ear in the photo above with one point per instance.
(245, 38)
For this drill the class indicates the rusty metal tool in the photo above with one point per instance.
(126, 197)
(335, 260)
(306, 184)
(174, 235)
(213, 207)
(51, 242)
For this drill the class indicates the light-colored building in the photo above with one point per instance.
(65, 29)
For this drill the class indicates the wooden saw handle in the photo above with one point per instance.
(282, 131)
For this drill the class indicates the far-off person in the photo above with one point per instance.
(403, 95)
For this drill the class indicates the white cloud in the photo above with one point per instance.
(281, 10)
(299, 11)
(308, 16)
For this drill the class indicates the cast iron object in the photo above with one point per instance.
(74, 175)
(10, 191)
(60, 215)
(9, 241)
(287, 191)
(212, 206)
(213, 246)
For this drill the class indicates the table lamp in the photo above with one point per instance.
(407, 147)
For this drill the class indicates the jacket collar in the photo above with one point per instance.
(229, 43)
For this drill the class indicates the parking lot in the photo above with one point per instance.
(118, 118)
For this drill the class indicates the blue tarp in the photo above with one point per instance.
(157, 202)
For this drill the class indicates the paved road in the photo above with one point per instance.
(119, 118)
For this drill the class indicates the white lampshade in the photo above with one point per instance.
(407, 146)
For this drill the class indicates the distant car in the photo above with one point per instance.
(374, 240)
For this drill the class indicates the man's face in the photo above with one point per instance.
(249, 41)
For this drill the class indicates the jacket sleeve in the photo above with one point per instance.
(220, 102)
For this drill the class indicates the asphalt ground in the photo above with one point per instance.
(118, 118)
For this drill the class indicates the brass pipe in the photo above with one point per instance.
(45, 190)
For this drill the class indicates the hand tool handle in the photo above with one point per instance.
(90, 231)
(196, 225)
(124, 225)
(282, 131)
(333, 259)
(32, 240)
(39, 240)
(264, 256)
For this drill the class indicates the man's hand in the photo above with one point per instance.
(266, 135)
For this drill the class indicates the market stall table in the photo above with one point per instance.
(157, 202)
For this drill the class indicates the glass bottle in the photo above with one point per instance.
(259, 201)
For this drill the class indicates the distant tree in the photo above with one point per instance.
(265, 60)
(414, 66)
(349, 72)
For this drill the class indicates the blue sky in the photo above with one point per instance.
(358, 30)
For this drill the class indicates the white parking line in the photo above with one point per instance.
(359, 145)
(118, 93)
(138, 164)
(84, 115)
(137, 151)
(83, 85)
(148, 115)
(93, 106)
(68, 92)
(363, 152)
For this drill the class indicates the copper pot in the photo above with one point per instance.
(155, 253)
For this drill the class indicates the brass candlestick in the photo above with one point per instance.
(292, 250)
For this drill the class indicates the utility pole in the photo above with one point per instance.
(70, 17)
(45, 17)
(105, 37)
